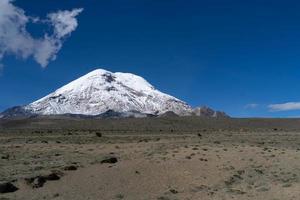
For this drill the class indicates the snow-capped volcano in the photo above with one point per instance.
(104, 94)
(100, 91)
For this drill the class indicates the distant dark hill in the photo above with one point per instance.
(17, 112)
(169, 114)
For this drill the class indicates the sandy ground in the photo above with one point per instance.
(216, 165)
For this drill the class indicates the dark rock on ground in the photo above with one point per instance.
(52, 177)
(5, 157)
(98, 134)
(7, 187)
(36, 182)
(70, 168)
(173, 191)
(110, 160)
(39, 181)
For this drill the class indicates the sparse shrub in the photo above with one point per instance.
(120, 196)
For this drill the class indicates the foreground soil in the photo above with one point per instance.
(154, 162)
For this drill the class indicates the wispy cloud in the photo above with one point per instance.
(284, 106)
(16, 40)
(251, 105)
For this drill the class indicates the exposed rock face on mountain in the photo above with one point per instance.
(102, 93)
(208, 112)
(132, 114)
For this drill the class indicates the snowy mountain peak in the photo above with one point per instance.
(102, 90)
(104, 93)
(100, 77)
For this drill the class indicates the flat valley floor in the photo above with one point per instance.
(145, 159)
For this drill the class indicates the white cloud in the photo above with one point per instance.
(251, 106)
(64, 22)
(284, 106)
(16, 40)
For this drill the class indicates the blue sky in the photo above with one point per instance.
(236, 56)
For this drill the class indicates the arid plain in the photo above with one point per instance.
(171, 158)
